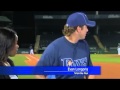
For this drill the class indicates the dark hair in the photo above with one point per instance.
(7, 40)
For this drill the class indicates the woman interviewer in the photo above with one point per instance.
(8, 47)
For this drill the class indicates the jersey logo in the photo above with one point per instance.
(77, 62)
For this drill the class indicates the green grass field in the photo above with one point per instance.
(19, 60)
(108, 58)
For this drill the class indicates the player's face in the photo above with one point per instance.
(14, 48)
(82, 32)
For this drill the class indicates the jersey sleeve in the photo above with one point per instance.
(89, 57)
(90, 62)
(48, 57)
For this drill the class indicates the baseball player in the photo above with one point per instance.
(31, 49)
(118, 50)
(70, 49)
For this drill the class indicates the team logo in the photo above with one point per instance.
(76, 62)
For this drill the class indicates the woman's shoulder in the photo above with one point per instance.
(3, 76)
(10, 62)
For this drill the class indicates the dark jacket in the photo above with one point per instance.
(6, 76)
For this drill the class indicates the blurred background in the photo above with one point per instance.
(40, 28)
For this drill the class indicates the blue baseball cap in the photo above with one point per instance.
(79, 19)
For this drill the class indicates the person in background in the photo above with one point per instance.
(118, 48)
(31, 49)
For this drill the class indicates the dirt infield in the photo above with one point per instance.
(31, 59)
(108, 70)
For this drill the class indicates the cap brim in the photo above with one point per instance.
(91, 23)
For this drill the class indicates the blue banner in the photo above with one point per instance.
(36, 70)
